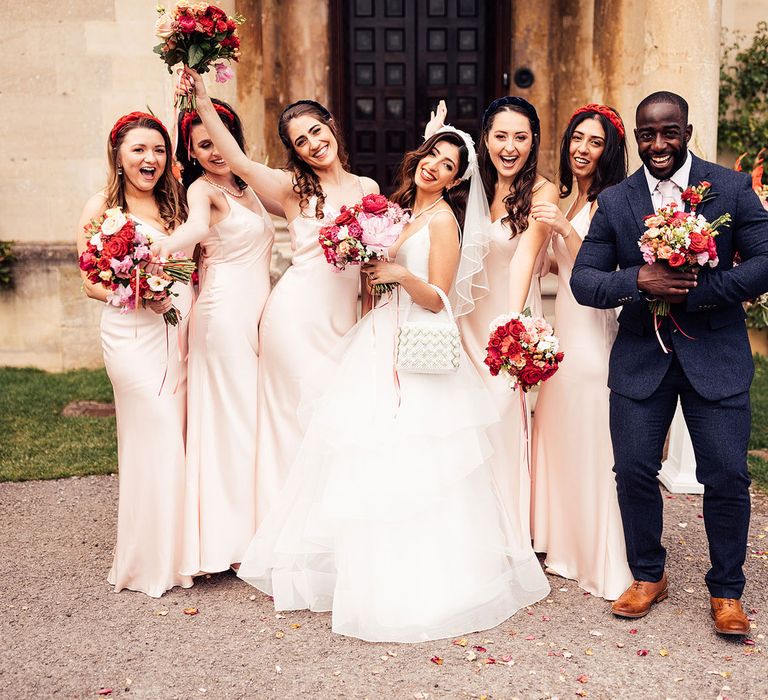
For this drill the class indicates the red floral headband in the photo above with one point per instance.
(606, 111)
(189, 117)
(129, 119)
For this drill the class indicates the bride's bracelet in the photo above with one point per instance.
(570, 231)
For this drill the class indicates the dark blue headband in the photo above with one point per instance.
(513, 101)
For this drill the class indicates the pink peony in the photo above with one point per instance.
(223, 72)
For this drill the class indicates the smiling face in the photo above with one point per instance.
(205, 152)
(586, 146)
(142, 156)
(662, 138)
(509, 141)
(313, 141)
(438, 169)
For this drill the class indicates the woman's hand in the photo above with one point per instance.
(436, 120)
(160, 306)
(549, 214)
(190, 81)
(384, 272)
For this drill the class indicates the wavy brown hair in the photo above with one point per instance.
(520, 197)
(306, 183)
(405, 185)
(168, 193)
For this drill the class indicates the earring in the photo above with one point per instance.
(119, 169)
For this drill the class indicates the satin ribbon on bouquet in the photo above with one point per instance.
(657, 324)
(524, 414)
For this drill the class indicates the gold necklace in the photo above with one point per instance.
(431, 206)
(222, 188)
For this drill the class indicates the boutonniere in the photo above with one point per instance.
(696, 194)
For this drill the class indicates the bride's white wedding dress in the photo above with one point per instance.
(390, 517)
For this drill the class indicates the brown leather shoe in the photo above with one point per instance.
(636, 601)
(729, 616)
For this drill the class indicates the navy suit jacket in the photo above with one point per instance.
(718, 362)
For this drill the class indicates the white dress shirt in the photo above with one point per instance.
(679, 180)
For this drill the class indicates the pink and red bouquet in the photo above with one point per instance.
(684, 240)
(363, 233)
(524, 349)
(197, 34)
(115, 257)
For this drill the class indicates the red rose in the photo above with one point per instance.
(530, 376)
(375, 204)
(231, 25)
(116, 247)
(87, 261)
(559, 357)
(215, 13)
(208, 25)
(515, 329)
(103, 263)
(221, 26)
(187, 24)
(676, 260)
(230, 42)
(698, 242)
(346, 216)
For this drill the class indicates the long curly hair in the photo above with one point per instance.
(405, 186)
(306, 183)
(168, 193)
(611, 166)
(520, 197)
(190, 167)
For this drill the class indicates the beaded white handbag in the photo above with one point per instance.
(429, 348)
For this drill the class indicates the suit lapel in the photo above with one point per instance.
(639, 198)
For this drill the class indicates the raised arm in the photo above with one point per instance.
(93, 209)
(523, 261)
(268, 183)
(195, 228)
(749, 279)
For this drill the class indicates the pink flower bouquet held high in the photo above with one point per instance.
(524, 349)
(363, 233)
(115, 257)
(197, 34)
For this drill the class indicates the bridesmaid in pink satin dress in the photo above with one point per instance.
(515, 255)
(235, 233)
(576, 518)
(150, 421)
(312, 306)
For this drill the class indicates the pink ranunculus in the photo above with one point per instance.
(223, 72)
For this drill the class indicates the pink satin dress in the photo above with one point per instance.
(220, 510)
(576, 518)
(310, 309)
(138, 351)
(508, 437)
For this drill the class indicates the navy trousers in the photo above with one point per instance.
(720, 434)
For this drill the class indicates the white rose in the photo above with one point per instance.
(157, 284)
(343, 233)
(106, 275)
(164, 27)
(114, 222)
(96, 241)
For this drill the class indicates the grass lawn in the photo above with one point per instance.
(37, 442)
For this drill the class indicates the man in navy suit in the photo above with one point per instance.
(708, 367)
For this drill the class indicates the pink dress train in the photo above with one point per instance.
(510, 469)
(220, 510)
(310, 309)
(138, 348)
(576, 518)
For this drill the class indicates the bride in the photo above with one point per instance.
(389, 517)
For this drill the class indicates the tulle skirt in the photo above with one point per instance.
(390, 517)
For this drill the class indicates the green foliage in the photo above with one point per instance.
(757, 312)
(37, 442)
(743, 109)
(6, 264)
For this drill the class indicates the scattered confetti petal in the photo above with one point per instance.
(582, 693)
(482, 650)
(583, 678)
(251, 597)
(437, 660)
(530, 637)
(393, 654)
(278, 669)
(191, 611)
(596, 633)
(749, 642)
(545, 618)
(688, 590)
(295, 626)
(470, 656)
(459, 642)
(104, 691)
(621, 645)
(279, 634)
(633, 631)
(683, 525)
(507, 658)
(642, 652)
(663, 652)
(589, 652)
(162, 613)
(488, 660)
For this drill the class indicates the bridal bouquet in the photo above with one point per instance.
(363, 233)
(685, 240)
(115, 257)
(197, 34)
(524, 349)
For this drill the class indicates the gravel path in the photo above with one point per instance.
(63, 633)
